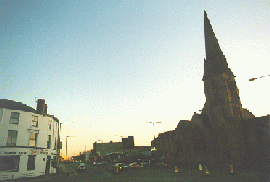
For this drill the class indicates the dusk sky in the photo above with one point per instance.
(106, 67)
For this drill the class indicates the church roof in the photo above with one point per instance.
(215, 62)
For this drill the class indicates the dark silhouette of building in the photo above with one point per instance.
(128, 143)
(224, 132)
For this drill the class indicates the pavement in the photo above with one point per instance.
(65, 171)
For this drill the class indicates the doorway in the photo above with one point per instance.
(48, 161)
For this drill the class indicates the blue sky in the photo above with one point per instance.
(106, 67)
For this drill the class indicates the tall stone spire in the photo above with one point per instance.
(215, 62)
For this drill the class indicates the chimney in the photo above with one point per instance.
(45, 108)
(41, 105)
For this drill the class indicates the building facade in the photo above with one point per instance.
(224, 132)
(29, 144)
(102, 149)
(113, 151)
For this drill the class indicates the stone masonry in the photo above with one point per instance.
(224, 132)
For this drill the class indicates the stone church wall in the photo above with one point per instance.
(224, 132)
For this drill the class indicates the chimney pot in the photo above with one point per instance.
(45, 108)
(41, 105)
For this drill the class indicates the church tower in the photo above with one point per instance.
(222, 113)
(220, 87)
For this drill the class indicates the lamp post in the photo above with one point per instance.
(153, 126)
(123, 148)
(66, 143)
(101, 152)
(85, 153)
(122, 145)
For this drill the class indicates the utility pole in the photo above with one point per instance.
(153, 126)
(85, 153)
(122, 145)
(66, 143)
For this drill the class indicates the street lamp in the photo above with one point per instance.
(101, 152)
(153, 126)
(253, 79)
(66, 143)
(122, 144)
(85, 152)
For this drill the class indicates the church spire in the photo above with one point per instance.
(215, 62)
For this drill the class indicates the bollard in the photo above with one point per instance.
(200, 167)
(206, 170)
(117, 170)
(231, 168)
(176, 169)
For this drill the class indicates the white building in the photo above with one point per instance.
(30, 141)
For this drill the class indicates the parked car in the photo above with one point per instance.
(120, 167)
(81, 167)
(96, 163)
(134, 165)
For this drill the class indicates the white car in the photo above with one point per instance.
(81, 167)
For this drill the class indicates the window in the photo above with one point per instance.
(31, 162)
(14, 118)
(12, 137)
(35, 121)
(10, 163)
(59, 145)
(33, 139)
(49, 142)
(49, 125)
(55, 143)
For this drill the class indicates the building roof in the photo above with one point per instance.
(10, 104)
(215, 62)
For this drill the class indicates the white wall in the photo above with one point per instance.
(25, 120)
(24, 128)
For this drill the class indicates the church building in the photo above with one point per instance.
(224, 132)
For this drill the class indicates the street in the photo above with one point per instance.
(105, 173)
